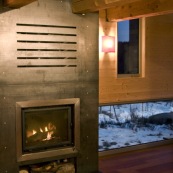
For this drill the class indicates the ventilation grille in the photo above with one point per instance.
(46, 46)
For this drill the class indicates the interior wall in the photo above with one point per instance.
(156, 83)
(22, 83)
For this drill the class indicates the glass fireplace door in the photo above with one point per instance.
(46, 127)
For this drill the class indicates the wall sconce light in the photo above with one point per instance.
(108, 44)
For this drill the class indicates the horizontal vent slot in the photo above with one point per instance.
(54, 42)
(34, 33)
(46, 50)
(29, 66)
(46, 58)
(46, 46)
(40, 25)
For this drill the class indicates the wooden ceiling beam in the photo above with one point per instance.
(85, 6)
(142, 8)
(17, 3)
(82, 6)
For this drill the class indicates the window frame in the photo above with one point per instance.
(141, 51)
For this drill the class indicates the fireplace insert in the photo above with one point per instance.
(47, 128)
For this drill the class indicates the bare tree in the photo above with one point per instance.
(115, 114)
(133, 114)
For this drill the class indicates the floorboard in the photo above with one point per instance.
(152, 160)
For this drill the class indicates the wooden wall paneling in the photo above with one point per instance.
(107, 61)
(131, 89)
(111, 73)
(135, 90)
(156, 83)
(134, 97)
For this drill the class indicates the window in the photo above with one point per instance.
(130, 48)
(134, 123)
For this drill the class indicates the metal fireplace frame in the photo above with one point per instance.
(69, 151)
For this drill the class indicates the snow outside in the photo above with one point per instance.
(133, 124)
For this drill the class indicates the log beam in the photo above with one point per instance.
(142, 8)
(17, 3)
(124, 9)
(85, 6)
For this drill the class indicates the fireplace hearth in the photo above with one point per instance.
(47, 129)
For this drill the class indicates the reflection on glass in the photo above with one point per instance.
(128, 47)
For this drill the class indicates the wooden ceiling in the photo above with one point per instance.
(15, 3)
(84, 6)
(124, 9)
(115, 9)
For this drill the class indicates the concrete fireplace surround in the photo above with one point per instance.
(48, 53)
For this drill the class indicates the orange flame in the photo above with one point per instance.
(41, 130)
(48, 130)
(49, 136)
(34, 132)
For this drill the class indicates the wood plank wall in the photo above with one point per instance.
(46, 53)
(157, 81)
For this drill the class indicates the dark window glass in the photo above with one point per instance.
(128, 47)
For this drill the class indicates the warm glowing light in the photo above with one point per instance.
(46, 133)
(49, 136)
(34, 132)
(46, 129)
(108, 44)
(41, 130)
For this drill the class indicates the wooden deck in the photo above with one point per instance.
(152, 160)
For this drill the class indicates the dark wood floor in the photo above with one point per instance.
(152, 160)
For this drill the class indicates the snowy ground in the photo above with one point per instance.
(113, 135)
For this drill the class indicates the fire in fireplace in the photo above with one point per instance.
(47, 127)
(44, 128)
